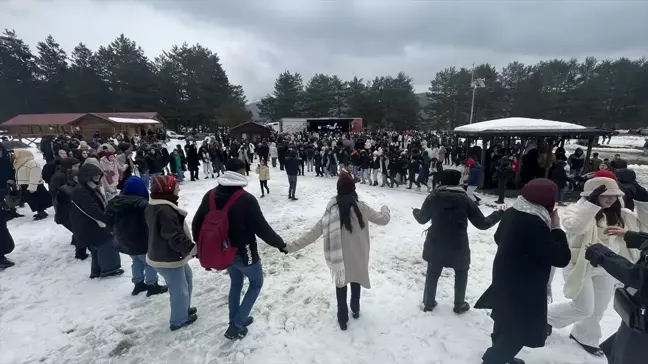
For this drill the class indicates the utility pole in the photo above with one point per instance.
(474, 83)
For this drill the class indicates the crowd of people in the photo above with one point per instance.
(114, 201)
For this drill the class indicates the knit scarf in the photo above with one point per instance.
(523, 205)
(332, 232)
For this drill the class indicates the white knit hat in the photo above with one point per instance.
(612, 187)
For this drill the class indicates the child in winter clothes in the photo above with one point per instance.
(263, 171)
(591, 288)
(345, 227)
(170, 248)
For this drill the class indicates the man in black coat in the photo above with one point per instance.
(88, 220)
(503, 173)
(292, 164)
(446, 245)
(263, 150)
(192, 160)
(6, 242)
(246, 222)
(529, 242)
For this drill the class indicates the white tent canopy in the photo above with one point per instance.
(133, 121)
(510, 124)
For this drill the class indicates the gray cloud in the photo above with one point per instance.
(258, 39)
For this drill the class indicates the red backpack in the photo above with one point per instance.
(214, 248)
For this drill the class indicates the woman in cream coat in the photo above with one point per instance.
(29, 178)
(591, 289)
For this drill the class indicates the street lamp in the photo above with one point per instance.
(474, 83)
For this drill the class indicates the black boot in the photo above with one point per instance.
(429, 308)
(460, 308)
(114, 273)
(590, 349)
(234, 333)
(139, 287)
(81, 254)
(40, 215)
(192, 311)
(155, 288)
(5, 263)
(192, 319)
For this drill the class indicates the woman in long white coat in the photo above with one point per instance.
(346, 243)
(591, 288)
(29, 178)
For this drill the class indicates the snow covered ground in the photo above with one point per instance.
(50, 312)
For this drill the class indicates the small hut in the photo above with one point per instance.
(251, 131)
(549, 132)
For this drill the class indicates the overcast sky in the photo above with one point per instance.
(258, 39)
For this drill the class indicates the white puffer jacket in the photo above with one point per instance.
(28, 171)
(582, 231)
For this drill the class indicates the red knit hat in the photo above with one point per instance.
(541, 191)
(605, 173)
(162, 187)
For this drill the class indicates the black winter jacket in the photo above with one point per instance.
(292, 165)
(125, 216)
(87, 216)
(449, 209)
(526, 250)
(246, 222)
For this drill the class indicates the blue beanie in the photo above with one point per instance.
(135, 186)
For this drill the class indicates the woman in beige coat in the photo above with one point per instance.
(29, 178)
(346, 243)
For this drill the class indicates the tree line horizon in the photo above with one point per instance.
(189, 87)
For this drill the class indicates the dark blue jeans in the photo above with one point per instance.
(239, 311)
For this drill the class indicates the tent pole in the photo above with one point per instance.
(548, 154)
(590, 143)
(485, 142)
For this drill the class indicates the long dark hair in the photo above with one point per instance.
(612, 215)
(345, 203)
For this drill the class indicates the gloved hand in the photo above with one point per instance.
(594, 196)
(595, 253)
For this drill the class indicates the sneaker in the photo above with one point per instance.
(429, 308)
(590, 349)
(460, 308)
(294, 199)
(155, 288)
(6, 263)
(234, 333)
(94, 275)
(139, 288)
(262, 196)
(191, 320)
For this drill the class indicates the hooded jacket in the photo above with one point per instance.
(28, 171)
(246, 221)
(87, 215)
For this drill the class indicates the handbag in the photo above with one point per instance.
(632, 314)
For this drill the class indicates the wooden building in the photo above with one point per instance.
(87, 124)
(251, 131)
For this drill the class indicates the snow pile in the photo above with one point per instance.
(133, 121)
(52, 313)
(517, 124)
